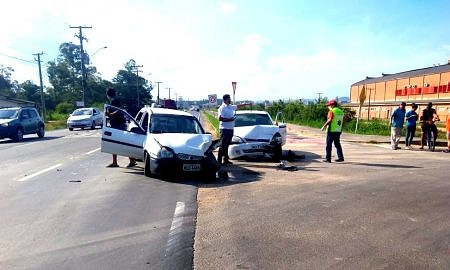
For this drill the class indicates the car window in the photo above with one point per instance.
(252, 119)
(24, 114)
(82, 111)
(144, 122)
(8, 113)
(32, 113)
(161, 123)
(139, 116)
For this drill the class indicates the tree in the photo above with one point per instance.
(128, 84)
(8, 87)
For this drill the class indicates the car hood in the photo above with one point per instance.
(192, 144)
(2, 121)
(78, 117)
(258, 132)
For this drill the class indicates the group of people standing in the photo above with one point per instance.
(426, 119)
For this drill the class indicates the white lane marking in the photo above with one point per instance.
(25, 144)
(90, 152)
(39, 172)
(177, 222)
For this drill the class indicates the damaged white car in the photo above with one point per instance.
(170, 142)
(256, 134)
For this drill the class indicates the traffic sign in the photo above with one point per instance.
(212, 99)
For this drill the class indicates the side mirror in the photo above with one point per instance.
(282, 126)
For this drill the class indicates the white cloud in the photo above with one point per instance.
(227, 7)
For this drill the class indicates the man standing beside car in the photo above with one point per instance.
(226, 115)
(117, 121)
(335, 120)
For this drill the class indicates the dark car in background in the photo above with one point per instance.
(19, 121)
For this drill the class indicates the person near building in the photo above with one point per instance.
(427, 118)
(411, 119)
(396, 124)
(334, 123)
(226, 115)
(117, 121)
(447, 126)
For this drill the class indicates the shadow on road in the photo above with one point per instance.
(384, 165)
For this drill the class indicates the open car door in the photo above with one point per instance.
(127, 140)
(279, 121)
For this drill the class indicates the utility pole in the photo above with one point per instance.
(42, 87)
(83, 69)
(320, 96)
(169, 91)
(157, 100)
(137, 83)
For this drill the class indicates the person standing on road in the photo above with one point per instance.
(396, 124)
(411, 119)
(117, 121)
(226, 115)
(334, 124)
(427, 119)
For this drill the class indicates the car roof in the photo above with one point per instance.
(165, 111)
(251, 112)
(17, 108)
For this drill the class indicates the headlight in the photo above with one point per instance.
(277, 139)
(165, 153)
(237, 139)
(5, 124)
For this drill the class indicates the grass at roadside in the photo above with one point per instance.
(213, 121)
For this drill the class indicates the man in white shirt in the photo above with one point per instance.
(226, 114)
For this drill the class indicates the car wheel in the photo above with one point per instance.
(19, 135)
(41, 131)
(93, 125)
(147, 170)
(277, 152)
(71, 129)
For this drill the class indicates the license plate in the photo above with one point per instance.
(191, 167)
(258, 146)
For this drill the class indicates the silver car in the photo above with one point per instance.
(85, 118)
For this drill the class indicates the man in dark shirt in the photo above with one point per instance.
(427, 118)
(117, 121)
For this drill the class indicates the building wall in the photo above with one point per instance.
(383, 97)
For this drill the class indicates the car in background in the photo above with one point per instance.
(19, 121)
(85, 118)
(170, 142)
(256, 134)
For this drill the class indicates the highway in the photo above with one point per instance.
(61, 208)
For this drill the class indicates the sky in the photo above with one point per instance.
(273, 49)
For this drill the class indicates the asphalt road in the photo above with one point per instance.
(380, 209)
(61, 208)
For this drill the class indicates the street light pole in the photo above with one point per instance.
(157, 100)
(104, 47)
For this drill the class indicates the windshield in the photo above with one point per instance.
(252, 119)
(163, 123)
(82, 112)
(8, 113)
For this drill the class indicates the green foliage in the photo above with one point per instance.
(314, 113)
(64, 108)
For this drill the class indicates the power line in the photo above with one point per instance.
(17, 58)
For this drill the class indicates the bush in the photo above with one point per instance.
(65, 108)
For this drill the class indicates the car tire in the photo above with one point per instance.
(41, 131)
(19, 135)
(277, 152)
(71, 129)
(147, 169)
(93, 125)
